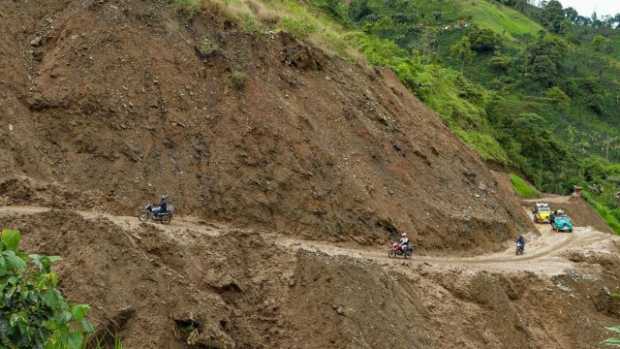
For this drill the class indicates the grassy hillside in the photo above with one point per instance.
(499, 18)
(523, 188)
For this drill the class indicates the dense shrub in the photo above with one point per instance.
(557, 96)
(33, 312)
(483, 40)
(208, 46)
(501, 63)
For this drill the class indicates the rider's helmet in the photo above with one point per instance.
(403, 235)
(164, 197)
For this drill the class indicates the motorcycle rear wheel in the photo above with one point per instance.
(166, 219)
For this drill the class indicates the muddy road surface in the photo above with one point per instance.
(547, 252)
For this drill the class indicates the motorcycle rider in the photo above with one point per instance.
(163, 206)
(521, 242)
(403, 243)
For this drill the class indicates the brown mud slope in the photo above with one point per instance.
(115, 99)
(225, 288)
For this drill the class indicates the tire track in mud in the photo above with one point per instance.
(546, 251)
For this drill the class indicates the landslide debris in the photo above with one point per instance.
(157, 289)
(122, 99)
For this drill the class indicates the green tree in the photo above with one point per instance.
(462, 51)
(543, 61)
(34, 312)
(429, 42)
(500, 63)
(544, 70)
(558, 97)
(553, 17)
(335, 8)
(601, 44)
(571, 14)
(359, 10)
(483, 40)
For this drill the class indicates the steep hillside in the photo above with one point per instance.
(288, 167)
(532, 89)
(123, 100)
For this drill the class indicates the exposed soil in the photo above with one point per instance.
(194, 284)
(114, 100)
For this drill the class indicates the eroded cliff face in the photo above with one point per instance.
(106, 104)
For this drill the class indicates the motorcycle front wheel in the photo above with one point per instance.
(143, 217)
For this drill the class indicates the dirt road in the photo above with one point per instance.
(546, 253)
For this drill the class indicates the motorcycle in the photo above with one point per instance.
(520, 249)
(148, 214)
(396, 250)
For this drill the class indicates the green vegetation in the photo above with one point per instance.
(523, 188)
(500, 19)
(238, 79)
(297, 27)
(614, 341)
(34, 312)
(602, 179)
(250, 24)
(188, 7)
(117, 344)
(609, 215)
(208, 46)
(302, 21)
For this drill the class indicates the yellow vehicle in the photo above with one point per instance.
(542, 213)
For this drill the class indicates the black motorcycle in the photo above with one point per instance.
(520, 248)
(162, 217)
